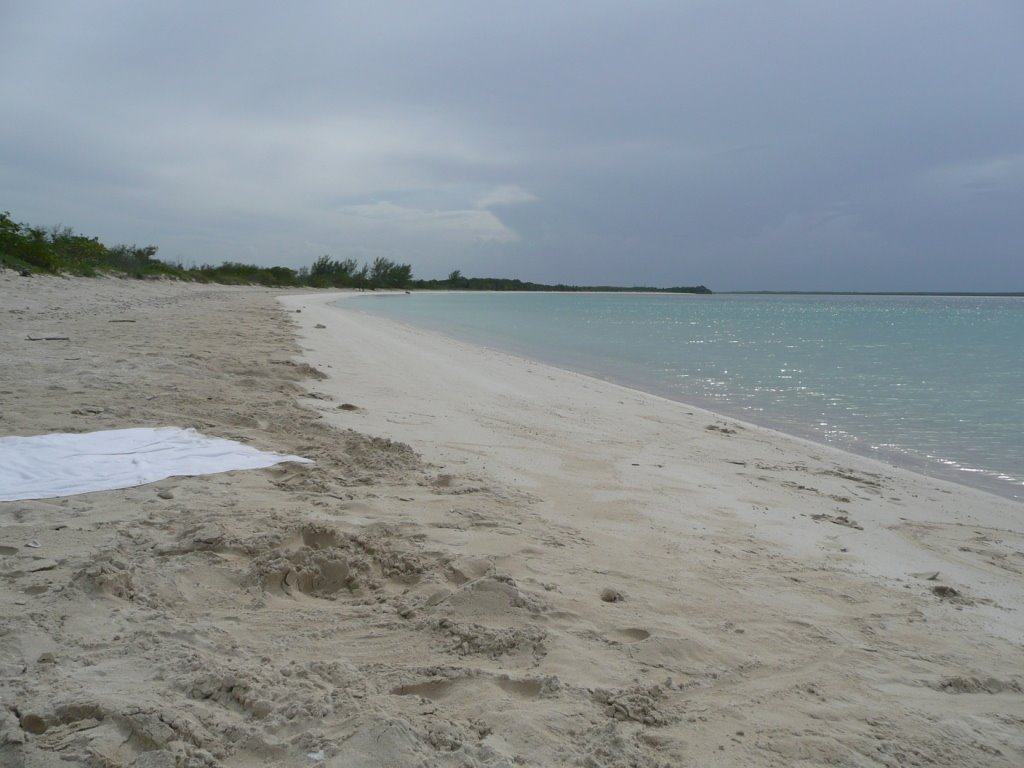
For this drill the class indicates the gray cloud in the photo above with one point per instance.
(740, 144)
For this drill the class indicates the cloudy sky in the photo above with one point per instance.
(743, 144)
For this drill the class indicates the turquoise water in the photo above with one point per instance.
(932, 383)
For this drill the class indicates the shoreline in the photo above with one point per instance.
(491, 563)
(909, 459)
(690, 423)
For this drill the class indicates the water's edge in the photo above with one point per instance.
(852, 444)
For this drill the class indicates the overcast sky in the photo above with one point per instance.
(795, 144)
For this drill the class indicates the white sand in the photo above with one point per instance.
(572, 573)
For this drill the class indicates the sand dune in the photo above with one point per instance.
(492, 563)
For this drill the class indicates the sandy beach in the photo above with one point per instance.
(492, 562)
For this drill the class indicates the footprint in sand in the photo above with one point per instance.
(464, 687)
(630, 635)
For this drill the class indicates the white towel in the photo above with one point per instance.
(45, 466)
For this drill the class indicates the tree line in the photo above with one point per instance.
(58, 249)
(458, 282)
(346, 273)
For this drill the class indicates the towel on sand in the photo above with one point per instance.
(45, 466)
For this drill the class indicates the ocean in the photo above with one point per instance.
(934, 384)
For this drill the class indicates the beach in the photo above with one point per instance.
(491, 562)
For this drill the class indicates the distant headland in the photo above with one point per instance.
(456, 281)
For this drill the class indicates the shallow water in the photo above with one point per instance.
(932, 383)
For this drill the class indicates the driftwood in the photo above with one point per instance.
(48, 338)
(120, 321)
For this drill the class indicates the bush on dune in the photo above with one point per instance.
(59, 250)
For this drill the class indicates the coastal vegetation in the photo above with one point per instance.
(60, 250)
(346, 273)
(456, 281)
